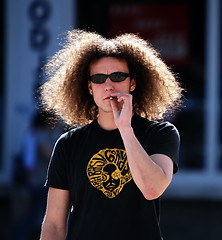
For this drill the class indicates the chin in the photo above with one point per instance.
(106, 110)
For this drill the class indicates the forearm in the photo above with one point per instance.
(148, 176)
(51, 232)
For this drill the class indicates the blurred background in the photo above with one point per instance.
(187, 33)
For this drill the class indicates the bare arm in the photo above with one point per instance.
(55, 221)
(152, 174)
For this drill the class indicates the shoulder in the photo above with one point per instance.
(164, 128)
(155, 127)
(74, 134)
(162, 138)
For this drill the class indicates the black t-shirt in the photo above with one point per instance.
(92, 164)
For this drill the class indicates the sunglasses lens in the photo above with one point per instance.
(118, 76)
(98, 78)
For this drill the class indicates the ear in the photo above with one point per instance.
(90, 87)
(132, 85)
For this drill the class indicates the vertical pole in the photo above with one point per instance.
(212, 85)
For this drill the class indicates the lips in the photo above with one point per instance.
(107, 97)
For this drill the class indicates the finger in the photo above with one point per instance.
(114, 104)
(121, 98)
(126, 101)
(117, 94)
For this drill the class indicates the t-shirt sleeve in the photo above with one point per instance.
(57, 170)
(166, 140)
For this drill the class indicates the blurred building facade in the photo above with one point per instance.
(188, 36)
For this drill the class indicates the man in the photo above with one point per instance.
(106, 176)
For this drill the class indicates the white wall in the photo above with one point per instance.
(32, 31)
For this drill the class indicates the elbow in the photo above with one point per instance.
(50, 230)
(153, 193)
(152, 189)
(151, 196)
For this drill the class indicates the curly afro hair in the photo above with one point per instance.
(66, 92)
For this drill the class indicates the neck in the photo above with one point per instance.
(106, 121)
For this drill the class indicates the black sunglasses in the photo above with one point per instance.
(115, 77)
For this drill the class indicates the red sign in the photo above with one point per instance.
(165, 26)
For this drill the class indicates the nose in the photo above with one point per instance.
(109, 85)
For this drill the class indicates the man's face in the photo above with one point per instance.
(111, 177)
(101, 91)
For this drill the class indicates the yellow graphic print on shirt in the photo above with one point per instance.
(108, 171)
